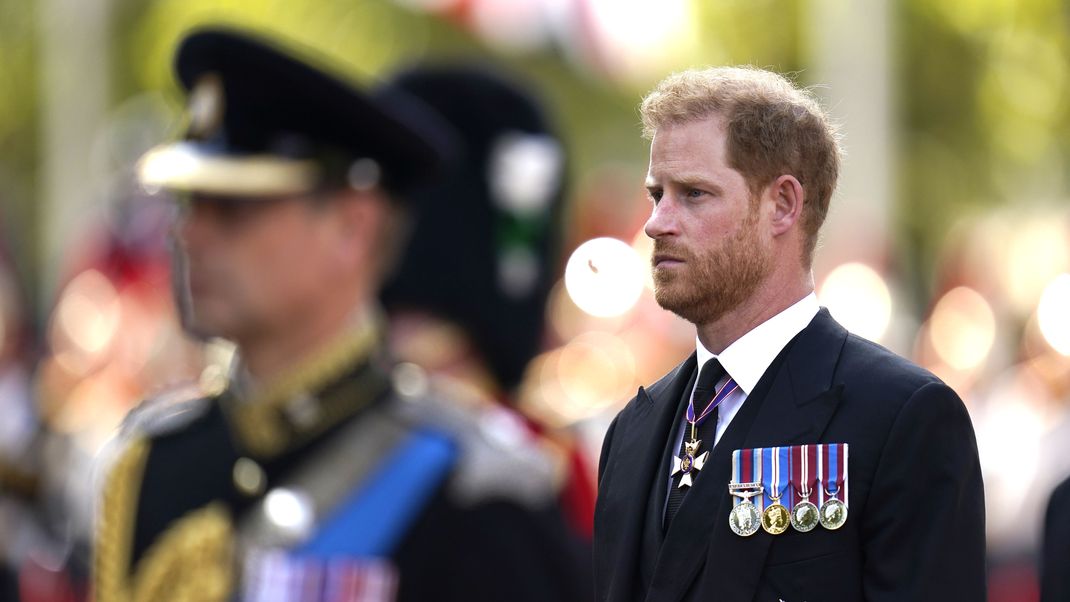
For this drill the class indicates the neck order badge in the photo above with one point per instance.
(691, 459)
(800, 475)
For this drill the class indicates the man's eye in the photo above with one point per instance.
(655, 195)
(694, 193)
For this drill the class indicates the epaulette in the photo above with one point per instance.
(165, 413)
(499, 459)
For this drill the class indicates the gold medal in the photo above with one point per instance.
(776, 518)
(744, 519)
(833, 512)
(804, 516)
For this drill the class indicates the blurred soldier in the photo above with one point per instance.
(469, 298)
(19, 469)
(314, 474)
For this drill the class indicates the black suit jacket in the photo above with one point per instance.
(1055, 555)
(916, 525)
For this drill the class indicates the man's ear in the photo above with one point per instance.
(359, 217)
(787, 196)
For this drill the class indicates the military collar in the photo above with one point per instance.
(311, 397)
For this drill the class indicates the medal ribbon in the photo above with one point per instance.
(737, 470)
(791, 470)
(748, 466)
(826, 458)
(804, 462)
(756, 476)
(836, 469)
(842, 471)
(725, 390)
(812, 478)
(776, 468)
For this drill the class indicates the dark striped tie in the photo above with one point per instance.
(705, 389)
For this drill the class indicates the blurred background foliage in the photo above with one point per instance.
(982, 91)
(979, 89)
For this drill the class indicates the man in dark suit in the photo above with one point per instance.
(319, 470)
(742, 167)
(1055, 553)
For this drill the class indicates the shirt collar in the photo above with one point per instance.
(747, 359)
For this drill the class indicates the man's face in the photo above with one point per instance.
(710, 253)
(253, 266)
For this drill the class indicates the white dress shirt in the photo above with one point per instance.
(747, 359)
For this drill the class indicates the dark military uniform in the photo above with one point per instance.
(346, 478)
(200, 481)
(486, 236)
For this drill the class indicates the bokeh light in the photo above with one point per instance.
(962, 328)
(86, 320)
(1036, 252)
(591, 372)
(858, 298)
(638, 39)
(511, 25)
(1053, 314)
(604, 277)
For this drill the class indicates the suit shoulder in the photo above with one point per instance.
(498, 457)
(1060, 499)
(863, 361)
(885, 387)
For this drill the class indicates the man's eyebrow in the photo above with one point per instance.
(685, 181)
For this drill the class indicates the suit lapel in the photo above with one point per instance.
(653, 529)
(633, 462)
(791, 405)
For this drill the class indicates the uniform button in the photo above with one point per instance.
(249, 478)
(291, 513)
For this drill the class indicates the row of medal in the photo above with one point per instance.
(799, 475)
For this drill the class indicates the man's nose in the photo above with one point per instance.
(662, 221)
